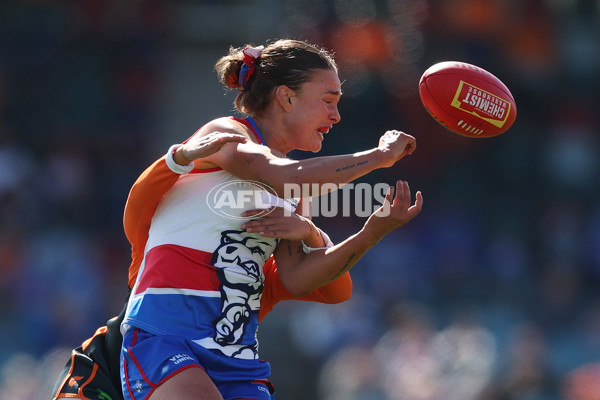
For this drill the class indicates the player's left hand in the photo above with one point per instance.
(203, 146)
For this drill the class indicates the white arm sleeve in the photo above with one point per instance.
(173, 166)
(328, 243)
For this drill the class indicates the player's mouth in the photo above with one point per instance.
(323, 131)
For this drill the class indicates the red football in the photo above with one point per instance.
(467, 99)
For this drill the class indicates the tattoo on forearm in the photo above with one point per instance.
(345, 168)
(289, 247)
(351, 166)
(346, 266)
(249, 160)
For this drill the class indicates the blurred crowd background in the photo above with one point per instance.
(492, 293)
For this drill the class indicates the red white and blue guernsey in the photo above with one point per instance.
(201, 277)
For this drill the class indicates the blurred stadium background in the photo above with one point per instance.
(491, 293)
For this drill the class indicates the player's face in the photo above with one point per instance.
(315, 109)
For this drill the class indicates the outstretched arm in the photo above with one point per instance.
(252, 161)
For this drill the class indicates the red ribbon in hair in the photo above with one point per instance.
(250, 56)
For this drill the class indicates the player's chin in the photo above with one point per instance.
(316, 147)
(317, 143)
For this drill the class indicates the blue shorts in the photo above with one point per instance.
(148, 360)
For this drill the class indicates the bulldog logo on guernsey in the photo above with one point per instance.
(230, 199)
(482, 104)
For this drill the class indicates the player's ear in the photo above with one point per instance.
(283, 97)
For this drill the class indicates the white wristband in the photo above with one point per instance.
(328, 243)
(173, 166)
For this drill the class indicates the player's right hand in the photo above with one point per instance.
(395, 145)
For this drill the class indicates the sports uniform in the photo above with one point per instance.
(197, 296)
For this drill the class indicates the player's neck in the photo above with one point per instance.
(273, 134)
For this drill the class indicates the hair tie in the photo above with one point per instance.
(250, 56)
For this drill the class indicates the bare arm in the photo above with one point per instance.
(252, 161)
(260, 164)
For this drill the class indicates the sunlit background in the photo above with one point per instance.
(492, 293)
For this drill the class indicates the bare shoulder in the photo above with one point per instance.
(225, 125)
(230, 153)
